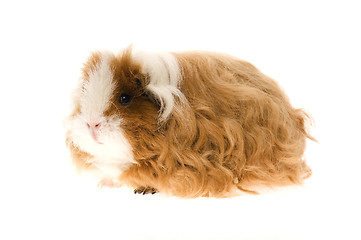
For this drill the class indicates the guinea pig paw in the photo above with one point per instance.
(145, 190)
(109, 183)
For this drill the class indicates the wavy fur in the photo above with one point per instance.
(230, 127)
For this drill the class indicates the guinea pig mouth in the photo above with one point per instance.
(96, 139)
(95, 136)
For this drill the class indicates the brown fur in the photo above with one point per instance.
(237, 129)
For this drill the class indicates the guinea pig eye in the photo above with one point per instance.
(125, 99)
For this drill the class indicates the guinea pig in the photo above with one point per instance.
(188, 124)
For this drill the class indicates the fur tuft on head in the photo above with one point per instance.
(164, 79)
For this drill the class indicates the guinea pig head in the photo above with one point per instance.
(113, 106)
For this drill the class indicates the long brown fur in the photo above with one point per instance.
(235, 130)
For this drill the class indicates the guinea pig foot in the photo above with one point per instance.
(145, 190)
(109, 183)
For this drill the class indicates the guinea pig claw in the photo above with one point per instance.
(145, 190)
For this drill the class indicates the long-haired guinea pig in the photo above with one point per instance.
(189, 124)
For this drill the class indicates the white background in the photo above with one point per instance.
(311, 47)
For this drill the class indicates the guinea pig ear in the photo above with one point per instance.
(141, 80)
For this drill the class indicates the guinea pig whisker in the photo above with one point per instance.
(115, 106)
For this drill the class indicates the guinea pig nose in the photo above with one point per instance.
(93, 125)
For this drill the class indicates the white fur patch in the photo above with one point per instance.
(97, 92)
(114, 154)
(165, 77)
